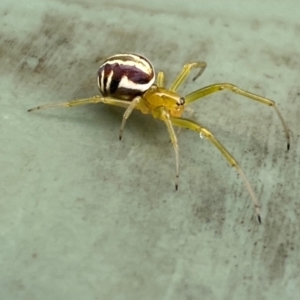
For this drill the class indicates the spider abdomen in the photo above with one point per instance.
(125, 76)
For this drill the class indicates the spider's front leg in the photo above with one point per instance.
(189, 124)
(160, 81)
(162, 114)
(92, 100)
(185, 72)
(218, 87)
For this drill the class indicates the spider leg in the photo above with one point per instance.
(164, 115)
(185, 72)
(186, 123)
(218, 87)
(133, 104)
(160, 81)
(77, 102)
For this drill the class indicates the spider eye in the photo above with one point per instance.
(181, 101)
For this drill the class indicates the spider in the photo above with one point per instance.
(128, 80)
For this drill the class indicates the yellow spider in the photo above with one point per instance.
(127, 80)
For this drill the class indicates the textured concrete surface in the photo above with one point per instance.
(84, 216)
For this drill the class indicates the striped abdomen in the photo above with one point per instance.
(125, 76)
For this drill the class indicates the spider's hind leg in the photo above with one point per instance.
(132, 105)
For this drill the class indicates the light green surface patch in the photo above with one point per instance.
(84, 216)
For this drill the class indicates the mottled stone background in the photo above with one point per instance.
(85, 216)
